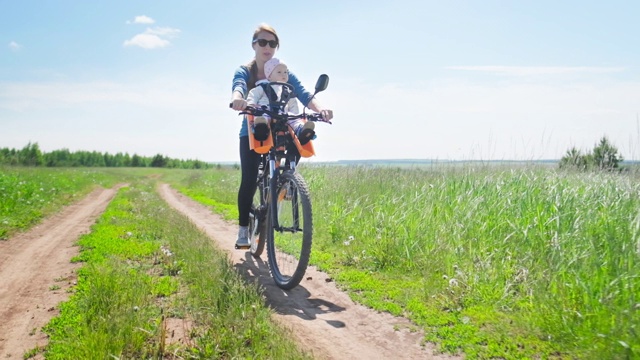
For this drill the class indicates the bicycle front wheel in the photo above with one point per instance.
(289, 244)
(257, 223)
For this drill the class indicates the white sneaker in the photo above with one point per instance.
(243, 238)
(309, 125)
(306, 133)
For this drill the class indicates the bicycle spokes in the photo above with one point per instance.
(289, 254)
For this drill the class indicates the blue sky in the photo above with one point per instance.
(455, 80)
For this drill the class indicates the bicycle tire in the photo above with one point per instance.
(257, 224)
(289, 249)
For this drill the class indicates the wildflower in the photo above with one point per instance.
(129, 233)
(166, 251)
(453, 282)
(349, 240)
(444, 277)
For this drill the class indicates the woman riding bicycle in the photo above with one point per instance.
(265, 42)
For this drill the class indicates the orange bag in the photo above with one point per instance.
(305, 150)
(261, 147)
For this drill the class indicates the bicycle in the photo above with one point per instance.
(284, 225)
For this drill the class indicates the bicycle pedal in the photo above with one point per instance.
(244, 247)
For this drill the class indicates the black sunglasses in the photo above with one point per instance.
(264, 42)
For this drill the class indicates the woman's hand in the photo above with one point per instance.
(327, 114)
(238, 104)
(237, 101)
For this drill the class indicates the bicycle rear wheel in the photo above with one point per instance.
(289, 245)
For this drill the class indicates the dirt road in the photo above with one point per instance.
(35, 271)
(323, 318)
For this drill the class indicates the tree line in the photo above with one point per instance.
(31, 155)
(604, 156)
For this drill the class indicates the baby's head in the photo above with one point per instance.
(275, 70)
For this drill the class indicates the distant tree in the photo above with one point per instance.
(126, 160)
(30, 155)
(61, 157)
(159, 161)
(109, 160)
(573, 159)
(118, 160)
(97, 159)
(605, 155)
(8, 156)
(137, 161)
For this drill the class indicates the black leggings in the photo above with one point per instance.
(249, 162)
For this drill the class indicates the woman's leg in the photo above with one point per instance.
(249, 162)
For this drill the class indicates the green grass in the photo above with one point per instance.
(144, 263)
(490, 261)
(218, 189)
(28, 194)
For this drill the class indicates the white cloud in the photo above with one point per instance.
(14, 46)
(537, 70)
(153, 38)
(142, 19)
(147, 41)
(163, 31)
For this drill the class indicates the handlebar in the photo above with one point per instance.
(252, 110)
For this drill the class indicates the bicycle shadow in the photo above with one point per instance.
(297, 301)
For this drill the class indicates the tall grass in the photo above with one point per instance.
(557, 253)
(492, 261)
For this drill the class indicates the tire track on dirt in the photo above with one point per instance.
(322, 318)
(35, 272)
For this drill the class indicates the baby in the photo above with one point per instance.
(275, 70)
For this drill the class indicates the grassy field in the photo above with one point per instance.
(145, 266)
(491, 261)
(28, 194)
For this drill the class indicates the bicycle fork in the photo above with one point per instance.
(273, 196)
